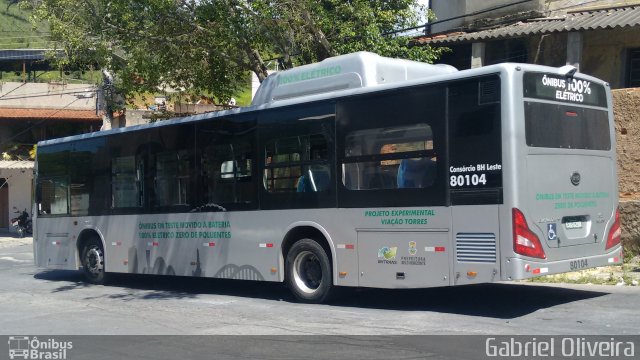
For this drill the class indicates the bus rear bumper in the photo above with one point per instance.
(521, 268)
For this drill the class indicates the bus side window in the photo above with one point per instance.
(54, 196)
(297, 164)
(226, 174)
(390, 158)
(126, 182)
(172, 178)
(416, 173)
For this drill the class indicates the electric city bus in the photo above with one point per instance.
(357, 171)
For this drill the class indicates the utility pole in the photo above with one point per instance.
(108, 93)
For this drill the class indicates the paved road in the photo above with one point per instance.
(37, 301)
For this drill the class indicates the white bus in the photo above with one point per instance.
(358, 171)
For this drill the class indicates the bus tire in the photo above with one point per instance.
(93, 262)
(308, 272)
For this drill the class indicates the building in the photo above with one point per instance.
(32, 111)
(600, 38)
(15, 190)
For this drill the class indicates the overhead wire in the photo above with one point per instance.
(43, 94)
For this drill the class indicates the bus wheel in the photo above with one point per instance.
(308, 272)
(93, 262)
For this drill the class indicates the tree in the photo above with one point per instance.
(210, 45)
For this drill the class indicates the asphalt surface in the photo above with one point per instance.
(58, 302)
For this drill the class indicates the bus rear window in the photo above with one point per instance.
(566, 127)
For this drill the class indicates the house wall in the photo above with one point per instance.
(548, 49)
(559, 7)
(19, 182)
(605, 52)
(626, 103)
(445, 9)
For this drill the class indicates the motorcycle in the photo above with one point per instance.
(22, 223)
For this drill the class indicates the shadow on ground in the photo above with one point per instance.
(498, 300)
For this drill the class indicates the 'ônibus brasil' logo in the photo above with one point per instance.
(24, 347)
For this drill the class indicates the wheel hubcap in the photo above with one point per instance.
(307, 272)
(94, 261)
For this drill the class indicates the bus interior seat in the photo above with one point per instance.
(416, 173)
(316, 179)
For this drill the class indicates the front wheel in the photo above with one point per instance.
(93, 262)
(308, 272)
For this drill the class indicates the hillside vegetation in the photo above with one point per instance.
(17, 32)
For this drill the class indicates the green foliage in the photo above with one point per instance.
(209, 45)
(33, 152)
(75, 76)
(16, 30)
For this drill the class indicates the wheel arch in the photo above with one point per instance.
(308, 230)
(83, 238)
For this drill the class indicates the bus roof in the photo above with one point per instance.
(340, 76)
(351, 71)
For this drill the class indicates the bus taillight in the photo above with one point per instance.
(614, 233)
(525, 242)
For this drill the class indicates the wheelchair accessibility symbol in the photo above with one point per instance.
(551, 231)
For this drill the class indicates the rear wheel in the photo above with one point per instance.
(308, 272)
(93, 261)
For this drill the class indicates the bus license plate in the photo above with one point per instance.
(573, 225)
(578, 264)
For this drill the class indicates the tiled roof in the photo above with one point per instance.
(622, 17)
(41, 114)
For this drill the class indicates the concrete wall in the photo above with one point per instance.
(48, 96)
(445, 9)
(626, 105)
(549, 49)
(630, 224)
(605, 53)
(132, 117)
(559, 7)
